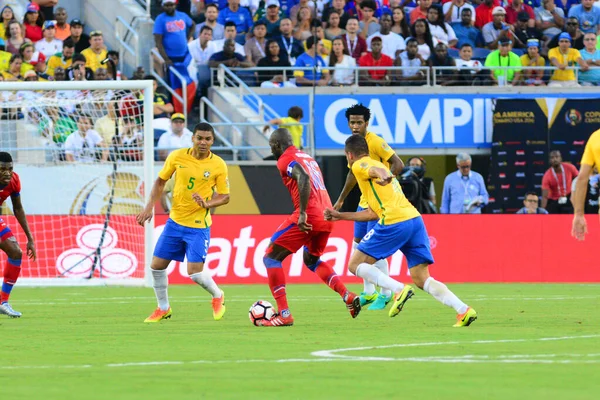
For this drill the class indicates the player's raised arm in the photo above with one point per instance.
(360, 216)
(348, 186)
(19, 212)
(155, 194)
(303, 180)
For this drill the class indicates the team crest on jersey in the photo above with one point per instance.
(385, 146)
(364, 165)
(206, 174)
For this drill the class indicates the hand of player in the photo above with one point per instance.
(200, 201)
(302, 224)
(31, 254)
(338, 204)
(331, 214)
(579, 227)
(144, 216)
(384, 180)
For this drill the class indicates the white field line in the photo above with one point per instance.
(330, 356)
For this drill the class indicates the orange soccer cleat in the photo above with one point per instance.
(218, 306)
(158, 315)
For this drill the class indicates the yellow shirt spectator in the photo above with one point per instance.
(26, 67)
(569, 59)
(93, 59)
(56, 61)
(4, 60)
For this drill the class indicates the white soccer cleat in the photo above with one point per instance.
(6, 309)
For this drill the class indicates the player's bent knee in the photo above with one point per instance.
(194, 267)
(14, 252)
(419, 274)
(271, 262)
(158, 264)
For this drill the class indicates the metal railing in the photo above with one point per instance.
(183, 99)
(122, 40)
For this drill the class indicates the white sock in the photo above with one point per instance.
(378, 278)
(369, 287)
(161, 283)
(384, 267)
(444, 295)
(206, 281)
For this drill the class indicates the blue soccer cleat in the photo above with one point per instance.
(368, 298)
(380, 302)
(6, 309)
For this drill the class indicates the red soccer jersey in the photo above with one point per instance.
(319, 198)
(555, 184)
(12, 189)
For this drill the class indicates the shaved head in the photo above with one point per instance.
(280, 140)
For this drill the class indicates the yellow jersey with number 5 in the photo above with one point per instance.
(591, 154)
(204, 177)
(388, 202)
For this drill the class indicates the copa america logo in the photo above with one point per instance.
(573, 117)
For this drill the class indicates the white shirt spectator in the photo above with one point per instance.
(410, 67)
(200, 55)
(49, 48)
(543, 15)
(391, 43)
(219, 44)
(438, 33)
(474, 65)
(251, 4)
(490, 33)
(171, 141)
(345, 75)
(83, 148)
(424, 50)
(456, 11)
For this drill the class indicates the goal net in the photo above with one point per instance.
(84, 153)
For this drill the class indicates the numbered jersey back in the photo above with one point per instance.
(319, 198)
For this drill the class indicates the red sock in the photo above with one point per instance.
(277, 285)
(330, 278)
(11, 274)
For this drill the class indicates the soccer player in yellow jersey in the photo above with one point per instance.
(201, 183)
(399, 227)
(358, 117)
(590, 159)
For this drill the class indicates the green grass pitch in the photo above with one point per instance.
(530, 342)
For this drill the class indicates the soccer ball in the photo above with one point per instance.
(260, 310)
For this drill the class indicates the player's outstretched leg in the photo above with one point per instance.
(160, 285)
(369, 293)
(420, 276)
(12, 270)
(203, 278)
(385, 296)
(275, 255)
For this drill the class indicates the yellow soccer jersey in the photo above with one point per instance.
(591, 154)
(378, 150)
(57, 61)
(93, 60)
(194, 176)
(388, 202)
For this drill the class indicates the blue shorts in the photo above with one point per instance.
(177, 241)
(361, 228)
(410, 237)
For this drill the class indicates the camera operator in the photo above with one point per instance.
(418, 189)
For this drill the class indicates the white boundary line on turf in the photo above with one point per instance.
(322, 356)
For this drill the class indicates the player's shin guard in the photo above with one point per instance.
(277, 284)
(328, 275)
(12, 269)
(375, 276)
(369, 288)
(384, 267)
(442, 294)
(161, 284)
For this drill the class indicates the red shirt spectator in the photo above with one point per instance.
(554, 183)
(513, 10)
(376, 59)
(483, 13)
(356, 47)
(420, 11)
(33, 23)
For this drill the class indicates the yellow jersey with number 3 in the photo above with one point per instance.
(591, 154)
(204, 177)
(388, 202)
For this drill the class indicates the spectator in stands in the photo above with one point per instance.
(440, 30)
(556, 185)
(101, 74)
(303, 28)
(292, 124)
(33, 22)
(255, 47)
(60, 74)
(440, 58)
(356, 45)
(453, 10)
(342, 63)
(84, 144)
(338, 7)
(572, 29)
(240, 16)
(97, 52)
(63, 59)
(112, 66)
(46, 8)
(211, 14)
(129, 140)
(399, 23)
(523, 32)
(504, 57)
(464, 190)
(563, 57)
(485, 13)
(421, 11)
(411, 74)
(273, 58)
(333, 29)
(393, 44)
(201, 50)
(14, 69)
(319, 32)
(289, 46)
(471, 71)
(230, 33)
(40, 67)
(420, 31)
(6, 15)
(26, 51)
(375, 58)
(369, 23)
(78, 71)
(80, 39)
(514, 8)
(549, 19)
(172, 31)
(588, 16)
(496, 30)
(49, 45)
(272, 19)
(531, 204)
(229, 57)
(418, 167)
(465, 32)
(307, 77)
(63, 30)
(591, 55)
(176, 138)
(14, 37)
(162, 102)
(533, 77)
(295, 11)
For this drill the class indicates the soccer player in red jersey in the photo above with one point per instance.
(10, 185)
(305, 227)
